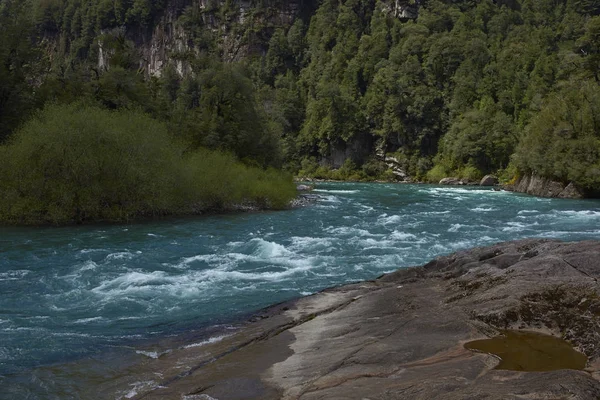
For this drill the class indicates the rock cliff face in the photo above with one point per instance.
(544, 187)
(403, 9)
(243, 30)
(172, 42)
(402, 335)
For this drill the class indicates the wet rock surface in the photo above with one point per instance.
(402, 335)
(304, 199)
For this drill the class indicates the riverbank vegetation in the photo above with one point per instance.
(446, 88)
(79, 163)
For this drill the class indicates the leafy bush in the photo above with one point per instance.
(508, 175)
(436, 174)
(217, 180)
(78, 163)
(470, 173)
(74, 163)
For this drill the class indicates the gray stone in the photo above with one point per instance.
(304, 188)
(544, 187)
(488, 180)
(401, 336)
(394, 165)
(571, 192)
(451, 181)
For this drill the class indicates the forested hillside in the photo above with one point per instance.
(327, 88)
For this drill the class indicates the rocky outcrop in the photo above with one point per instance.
(169, 43)
(304, 188)
(456, 181)
(394, 165)
(402, 335)
(402, 9)
(544, 187)
(451, 181)
(357, 149)
(303, 199)
(242, 28)
(488, 180)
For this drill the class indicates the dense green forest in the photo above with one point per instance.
(462, 89)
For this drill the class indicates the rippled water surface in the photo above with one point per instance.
(79, 293)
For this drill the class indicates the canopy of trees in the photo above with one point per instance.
(466, 88)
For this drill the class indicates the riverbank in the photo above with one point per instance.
(402, 335)
(529, 184)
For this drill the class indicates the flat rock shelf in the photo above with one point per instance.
(403, 335)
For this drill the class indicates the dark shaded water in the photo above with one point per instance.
(100, 293)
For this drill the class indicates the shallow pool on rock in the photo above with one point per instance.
(530, 351)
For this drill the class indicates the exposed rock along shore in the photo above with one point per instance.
(402, 335)
(544, 187)
(529, 184)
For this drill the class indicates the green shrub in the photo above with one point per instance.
(435, 174)
(374, 168)
(217, 180)
(508, 175)
(73, 163)
(470, 173)
(308, 167)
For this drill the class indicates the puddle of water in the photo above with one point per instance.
(530, 351)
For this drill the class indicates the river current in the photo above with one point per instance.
(106, 295)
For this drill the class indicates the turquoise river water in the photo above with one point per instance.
(77, 302)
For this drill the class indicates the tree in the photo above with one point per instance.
(562, 141)
(18, 65)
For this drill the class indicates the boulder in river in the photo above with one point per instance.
(488, 180)
(304, 188)
(403, 335)
(451, 181)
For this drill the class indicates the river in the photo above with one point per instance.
(107, 295)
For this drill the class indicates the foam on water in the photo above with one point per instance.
(578, 214)
(14, 275)
(308, 244)
(455, 190)
(152, 354)
(434, 212)
(265, 249)
(455, 227)
(137, 387)
(87, 251)
(214, 339)
(329, 199)
(89, 265)
(482, 209)
(346, 231)
(385, 219)
(87, 320)
(336, 191)
(403, 236)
